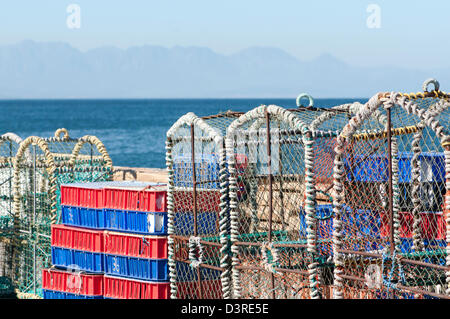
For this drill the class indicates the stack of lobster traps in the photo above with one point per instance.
(31, 172)
(342, 201)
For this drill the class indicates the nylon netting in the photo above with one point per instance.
(281, 207)
(391, 237)
(197, 206)
(8, 149)
(40, 166)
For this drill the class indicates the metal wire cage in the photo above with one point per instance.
(9, 143)
(280, 203)
(391, 233)
(198, 225)
(40, 166)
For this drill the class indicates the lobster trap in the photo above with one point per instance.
(391, 225)
(40, 166)
(197, 197)
(280, 204)
(9, 143)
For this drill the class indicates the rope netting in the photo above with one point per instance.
(9, 143)
(198, 226)
(390, 225)
(280, 203)
(31, 173)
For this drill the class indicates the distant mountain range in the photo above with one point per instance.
(57, 70)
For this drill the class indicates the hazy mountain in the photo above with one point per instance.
(56, 70)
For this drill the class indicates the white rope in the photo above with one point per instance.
(170, 222)
(195, 247)
(310, 208)
(234, 214)
(225, 261)
(269, 265)
(415, 191)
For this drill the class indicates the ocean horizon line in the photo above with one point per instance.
(175, 98)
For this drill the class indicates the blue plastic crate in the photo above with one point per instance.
(207, 223)
(147, 223)
(184, 272)
(137, 268)
(325, 215)
(70, 215)
(92, 218)
(206, 169)
(365, 220)
(83, 217)
(52, 294)
(374, 168)
(115, 219)
(363, 223)
(79, 259)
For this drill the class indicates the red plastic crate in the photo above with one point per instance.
(153, 247)
(432, 225)
(90, 197)
(61, 236)
(69, 195)
(77, 238)
(114, 198)
(77, 283)
(152, 198)
(121, 288)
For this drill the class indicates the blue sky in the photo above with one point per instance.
(413, 34)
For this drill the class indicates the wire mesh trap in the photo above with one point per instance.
(40, 166)
(391, 226)
(198, 225)
(280, 203)
(9, 143)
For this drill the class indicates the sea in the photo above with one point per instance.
(133, 131)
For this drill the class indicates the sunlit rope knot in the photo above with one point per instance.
(195, 246)
(391, 100)
(269, 262)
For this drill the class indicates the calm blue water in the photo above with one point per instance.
(133, 131)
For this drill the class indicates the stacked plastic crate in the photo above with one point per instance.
(112, 242)
(135, 241)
